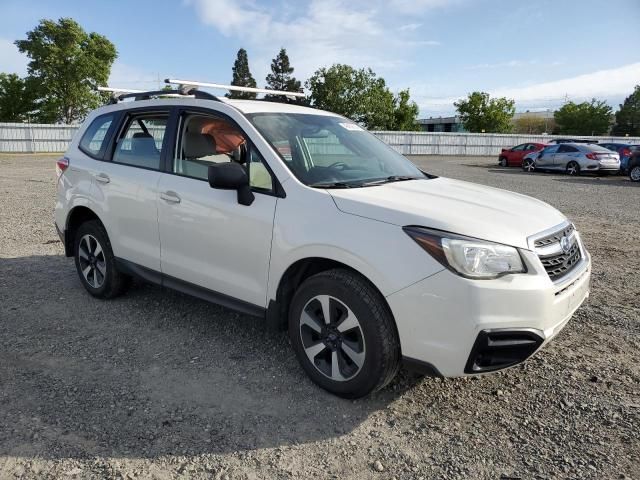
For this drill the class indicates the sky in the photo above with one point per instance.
(541, 53)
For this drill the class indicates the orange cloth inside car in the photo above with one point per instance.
(226, 136)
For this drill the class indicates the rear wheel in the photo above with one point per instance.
(343, 334)
(634, 173)
(96, 263)
(528, 165)
(573, 169)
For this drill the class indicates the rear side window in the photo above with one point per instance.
(140, 143)
(95, 137)
(567, 149)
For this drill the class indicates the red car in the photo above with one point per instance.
(512, 157)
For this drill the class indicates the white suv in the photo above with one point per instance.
(301, 217)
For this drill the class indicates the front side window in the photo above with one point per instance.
(140, 143)
(549, 150)
(94, 138)
(205, 140)
(328, 151)
(519, 148)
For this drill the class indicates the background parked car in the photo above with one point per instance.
(634, 166)
(625, 150)
(572, 140)
(573, 158)
(512, 157)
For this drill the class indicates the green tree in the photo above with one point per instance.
(361, 96)
(586, 118)
(405, 113)
(533, 124)
(17, 97)
(67, 64)
(628, 117)
(281, 76)
(242, 76)
(481, 113)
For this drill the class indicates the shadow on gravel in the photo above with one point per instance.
(148, 374)
(611, 181)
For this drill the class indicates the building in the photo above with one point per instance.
(454, 124)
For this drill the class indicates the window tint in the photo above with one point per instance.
(95, 137)
(550, 150)
(567, 149)
(530, 146)
(141, 141)
(206, 140)
(519, 148)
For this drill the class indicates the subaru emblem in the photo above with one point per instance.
(565, 244)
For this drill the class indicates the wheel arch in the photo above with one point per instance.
(76, 217)
(292, 278)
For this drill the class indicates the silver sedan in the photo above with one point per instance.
(573, 158)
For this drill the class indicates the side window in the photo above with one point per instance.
(519, 148)
(530, 147)
(567, 149)
(205, 140)
(140, 143)
(549, 150)
(95, 138)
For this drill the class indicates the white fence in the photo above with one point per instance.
(41, 138)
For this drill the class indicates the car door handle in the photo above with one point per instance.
(170, 197)
(103, 178)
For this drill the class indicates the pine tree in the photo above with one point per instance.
(281, 77)
(242, 76)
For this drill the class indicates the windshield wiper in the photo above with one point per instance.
(390, 179)
(332, 185)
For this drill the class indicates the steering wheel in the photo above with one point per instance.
(340, 165)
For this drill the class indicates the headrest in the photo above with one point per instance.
(196, 145)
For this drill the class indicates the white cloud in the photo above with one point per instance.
(409, 27)
(412, 7)
(12, 60)
(611, 84)
(327, 32)
(601, 84)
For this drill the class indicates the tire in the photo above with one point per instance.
(503, 162)
(634, 173)
(95, 262)
(528, 165)
(573, 169)
(361, 339)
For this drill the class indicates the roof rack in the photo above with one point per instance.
(119, 94)
(232, 88)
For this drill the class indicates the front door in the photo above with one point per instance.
(546, 157)
(207, 238)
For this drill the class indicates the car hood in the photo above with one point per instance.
(454, 206)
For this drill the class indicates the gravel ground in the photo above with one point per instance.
(156, 384)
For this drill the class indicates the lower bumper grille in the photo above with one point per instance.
(494, 350)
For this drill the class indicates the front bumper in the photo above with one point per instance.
(440, 318)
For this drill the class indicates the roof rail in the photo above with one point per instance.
(119, 94)
(192, 83)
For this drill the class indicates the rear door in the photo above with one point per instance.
(566, 153)
(126, 186)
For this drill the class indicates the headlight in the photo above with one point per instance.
(466, 256)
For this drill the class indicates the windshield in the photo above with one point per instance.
(332, 152)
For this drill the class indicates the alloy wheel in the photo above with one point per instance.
(529, 166)
(332, 338)
(634, 174)
(573, 169)
(92, 261)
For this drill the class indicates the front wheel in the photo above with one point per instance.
(343, 334)
(503, 162)
(573, 169)
(634, 173)
(528, 165)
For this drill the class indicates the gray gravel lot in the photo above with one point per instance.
(156, 384)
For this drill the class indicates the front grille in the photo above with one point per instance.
(554, 237)
(562, 263)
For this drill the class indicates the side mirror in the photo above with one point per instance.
(231, 176)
